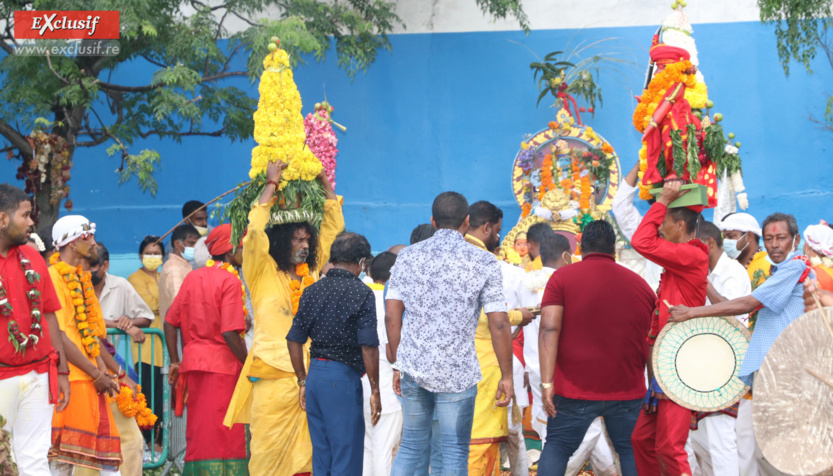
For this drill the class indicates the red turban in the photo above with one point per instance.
(663, 54)
(219, 240)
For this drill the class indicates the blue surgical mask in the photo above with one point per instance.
(789, 255)
(188, 253)
(730, 247)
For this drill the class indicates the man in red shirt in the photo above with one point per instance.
(210, 311)
(668, 237)
(33, 366)
(595, 348)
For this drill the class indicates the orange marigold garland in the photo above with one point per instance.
(84, 300)
(297, 287)
(526, 208)
(586, 191)
(546, 177)
(651, 97)
(135, 406)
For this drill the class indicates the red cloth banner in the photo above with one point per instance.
(66, 25)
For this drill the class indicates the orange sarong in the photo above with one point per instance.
(85, 434)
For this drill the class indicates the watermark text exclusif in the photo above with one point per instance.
(69, 48)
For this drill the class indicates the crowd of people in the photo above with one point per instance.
(297, 351)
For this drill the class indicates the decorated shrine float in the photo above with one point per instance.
(681, 138)
(567, 173)
(306, 146)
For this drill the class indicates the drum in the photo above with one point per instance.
(696, 362)
(792, 408)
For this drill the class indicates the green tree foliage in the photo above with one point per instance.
(802, 29)
(194, 49)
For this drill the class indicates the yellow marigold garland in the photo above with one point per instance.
(83, 300)
(651, 97)
(279, 125)
(644, 190)
(697, 96)
(137, 406)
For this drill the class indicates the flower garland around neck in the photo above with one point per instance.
(19, 340)
(84, 300)
(228, 267)
(297, 287)
(135, 406)
(822, 261)
(376, 286)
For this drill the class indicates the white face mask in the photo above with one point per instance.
(730, 247)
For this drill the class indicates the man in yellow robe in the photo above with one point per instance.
(266, 395)
(490, 426)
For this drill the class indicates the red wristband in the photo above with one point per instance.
(276, 184)
(64, 373)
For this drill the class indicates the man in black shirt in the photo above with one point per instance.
(339, 315)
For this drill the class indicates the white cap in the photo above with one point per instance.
(820, 239)
(67, 229)
(742, 222)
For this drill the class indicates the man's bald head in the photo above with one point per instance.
(395, 249)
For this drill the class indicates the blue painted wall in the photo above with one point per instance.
(448, 112)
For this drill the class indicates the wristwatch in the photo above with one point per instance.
(395, 366)
(546, 385)
(302, 383)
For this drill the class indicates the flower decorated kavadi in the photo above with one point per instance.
(282, 134)
(565, 174)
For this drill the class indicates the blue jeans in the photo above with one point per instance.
(433, 457)
(455, 412)
(566, 431)
(336, 422)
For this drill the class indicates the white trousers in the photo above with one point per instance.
(380, 441)
(593, 447)
(713, 447)
(516, 448)
(24, 402)
(746, 440)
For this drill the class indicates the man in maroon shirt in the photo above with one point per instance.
(668, 237)
(595, 348)
(33, 373)
(210, 311)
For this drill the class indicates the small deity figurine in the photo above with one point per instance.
(521, 245)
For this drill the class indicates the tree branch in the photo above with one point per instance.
(142, 89)
(16, 138)
(217, 133)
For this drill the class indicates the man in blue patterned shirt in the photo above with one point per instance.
(780, 298)
(443, 283)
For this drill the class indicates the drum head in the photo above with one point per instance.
(696, 362)
(792, 408)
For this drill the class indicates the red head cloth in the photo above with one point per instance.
(219, 240)
(663, 54)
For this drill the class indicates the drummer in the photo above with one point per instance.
(668, 237)
(715, 437)
(780, 297)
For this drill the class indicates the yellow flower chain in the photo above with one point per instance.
(279, 125)
(81, 289)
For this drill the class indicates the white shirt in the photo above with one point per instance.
(444, 283)
(118, 298)
(628, 218)
(513, 277)
(731, 280)
(533, 292)
(390, 402)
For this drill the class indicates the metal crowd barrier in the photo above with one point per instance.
(124, 352)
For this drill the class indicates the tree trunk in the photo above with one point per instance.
(47, 213)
